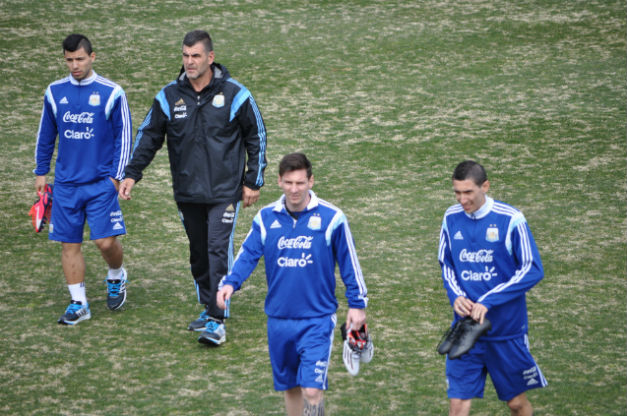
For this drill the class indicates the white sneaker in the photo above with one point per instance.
(351, 359)
(368, 351)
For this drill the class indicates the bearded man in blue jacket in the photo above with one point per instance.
(301, 238)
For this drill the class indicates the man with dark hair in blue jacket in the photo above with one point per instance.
(216, 142)
(489, 261)
(90, 115)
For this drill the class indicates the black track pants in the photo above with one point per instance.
(210, 230)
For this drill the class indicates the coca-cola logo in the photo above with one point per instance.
(82, 118)
(300, 242)
(480, 256)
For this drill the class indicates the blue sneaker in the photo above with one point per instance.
(199, 324)
(75, 313)
(116, 292)
(214, 333)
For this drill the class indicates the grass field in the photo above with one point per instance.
(386, 97)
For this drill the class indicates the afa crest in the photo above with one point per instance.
(218, 100)
(94, 99)
(314, 223)
(492, 234)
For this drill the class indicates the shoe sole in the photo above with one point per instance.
(211, 341)
(199, 329)
(70, 323)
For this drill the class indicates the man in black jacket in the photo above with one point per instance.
(217, 147)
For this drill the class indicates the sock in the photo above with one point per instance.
(77, 291)
(115, 274)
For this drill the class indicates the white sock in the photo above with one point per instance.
(77, 291)
(115, 274)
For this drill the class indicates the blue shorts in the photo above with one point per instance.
(300, 350)
(509, 363)
(72, 204)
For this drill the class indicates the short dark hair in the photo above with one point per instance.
(76, 41)
(195, 36)
(469, 169)
(295, 161)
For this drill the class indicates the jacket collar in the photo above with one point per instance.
(85, 81)
(483, 211)
(218, 76)
(313, 203)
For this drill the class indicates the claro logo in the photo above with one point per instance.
(303, 261)
(486, 275)
(79, 135)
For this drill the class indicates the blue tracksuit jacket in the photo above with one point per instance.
(93, 122)
(300, 257)
(490, 257)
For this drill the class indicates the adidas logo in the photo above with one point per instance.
(63, 100)
(532, 381)
(458, 236)
(275, 224)
(117, 226)
(180, 102)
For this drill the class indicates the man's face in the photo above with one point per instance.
(79, 63)
(196, 60)
(296, 186)
(470, 195)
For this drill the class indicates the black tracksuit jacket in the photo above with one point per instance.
(216, 139)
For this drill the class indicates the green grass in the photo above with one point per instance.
(386, 97)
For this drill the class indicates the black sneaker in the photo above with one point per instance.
(214, 333)
(448, 339)
(199, 324)
(75, 313)
(116, 292)
(471, 331)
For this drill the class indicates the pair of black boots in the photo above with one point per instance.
(461, 337)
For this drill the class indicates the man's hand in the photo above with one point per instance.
(116, 183)
(355, 319)
(223, 296)
(125, 188)
(40, 183)
(463, 306)
(478, 312)
(249, 196)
